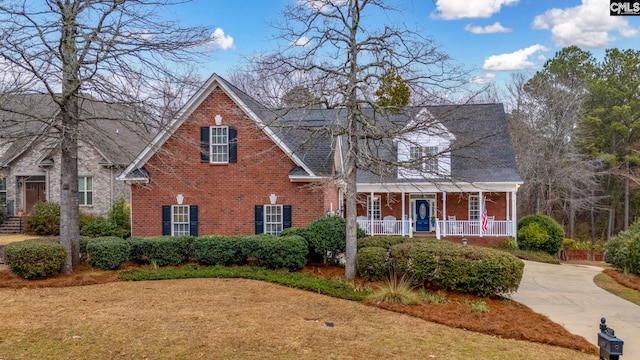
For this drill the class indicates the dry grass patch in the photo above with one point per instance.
(6, 239)
(224, 318)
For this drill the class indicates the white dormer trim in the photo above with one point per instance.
(433, 134)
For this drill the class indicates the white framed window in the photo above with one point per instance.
(373, 212)
(3, 191)
(415, 152)
(219, 144)
(427, 155)
(273, 219)
(431, 159)
(85, 190)
(180, 220)
(474, 208)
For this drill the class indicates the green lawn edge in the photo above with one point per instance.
(337, 287)
(607, 283)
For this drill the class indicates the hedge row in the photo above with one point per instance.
(41, 258)
(444, 265)
(273, 252)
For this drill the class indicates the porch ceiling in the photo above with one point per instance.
(429, 187)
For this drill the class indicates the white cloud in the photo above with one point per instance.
(302, 41)
(220, 40)
(513, 61)
(486, 79)
(459, 9)
(323, 5)
(585, 25)
(489, 29)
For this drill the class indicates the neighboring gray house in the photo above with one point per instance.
(109, 140)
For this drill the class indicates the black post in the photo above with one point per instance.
(610, 346)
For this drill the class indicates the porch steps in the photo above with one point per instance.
(12, 225)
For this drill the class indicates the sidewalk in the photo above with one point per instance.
(568, 296)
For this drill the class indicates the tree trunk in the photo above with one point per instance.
(69, 227)
(351, 195)
(626, 197)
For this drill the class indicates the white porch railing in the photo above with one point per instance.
(473, 228)
(442, 228)
(387, 227)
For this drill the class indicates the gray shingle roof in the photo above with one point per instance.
(481, 152)
(109, 128)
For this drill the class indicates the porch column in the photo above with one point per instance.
(508, 210)
(371, 201)
(481, 206)
(403, 214)
(513, 215)
(444, 214)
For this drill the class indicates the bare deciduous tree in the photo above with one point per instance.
(113, 51)
(334, 50)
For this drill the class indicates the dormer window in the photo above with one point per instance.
(424, 152)
(428, 155)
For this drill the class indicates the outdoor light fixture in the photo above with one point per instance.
(464, 241)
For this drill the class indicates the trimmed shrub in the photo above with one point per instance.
(327, 236)
(540, 233)
(35, 258)
(280, 252)
(509, 244)
(120, 217)
(223, 250)
(161, 250)
(44, 219)
(293, 231)
(385, 242)
(372, 263)
(623, 250)
(108, 253)
(98, 227)
(443, 265)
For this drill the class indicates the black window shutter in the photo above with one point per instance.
(286, 216)
(193, 220)
(233, 145)
(259, 219)
(204, 144)
(166, 219)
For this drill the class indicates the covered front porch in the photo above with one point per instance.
(457, 212)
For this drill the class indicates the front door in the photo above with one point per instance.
(33, 192)
(422, 215)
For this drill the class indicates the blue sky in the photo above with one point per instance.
(492, 37)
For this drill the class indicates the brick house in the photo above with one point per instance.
(30, 155)
(226, 164)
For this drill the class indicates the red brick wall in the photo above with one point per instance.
(225, 194)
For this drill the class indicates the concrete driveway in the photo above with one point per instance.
(567, 295)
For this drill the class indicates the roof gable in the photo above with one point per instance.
(248, 105)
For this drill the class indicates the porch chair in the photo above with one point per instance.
(389, 222)
(490, 221)
(453, 227)
(362, 221)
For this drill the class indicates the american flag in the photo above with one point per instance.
(484, 223)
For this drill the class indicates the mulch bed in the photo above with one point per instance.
(630, 280)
